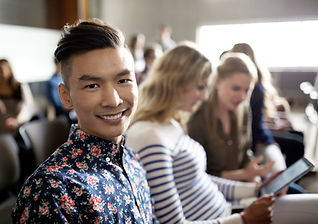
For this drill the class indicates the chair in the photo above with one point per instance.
(9, 175)
(43, 137)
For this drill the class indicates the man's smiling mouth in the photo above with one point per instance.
(111, 117)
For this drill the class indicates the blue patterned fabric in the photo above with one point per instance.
(86, 180)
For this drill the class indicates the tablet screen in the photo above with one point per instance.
(292, 173)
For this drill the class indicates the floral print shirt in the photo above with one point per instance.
(86, 180)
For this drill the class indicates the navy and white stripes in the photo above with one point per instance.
(175, 165)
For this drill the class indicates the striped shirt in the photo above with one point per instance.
(182, 190)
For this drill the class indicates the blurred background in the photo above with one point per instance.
(283, 33)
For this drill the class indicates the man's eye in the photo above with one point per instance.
(121, 81)
(91, 86)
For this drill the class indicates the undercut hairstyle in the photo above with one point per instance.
(85, 36)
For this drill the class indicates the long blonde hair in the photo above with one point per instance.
(231, 63)
(162, 91)
(271, 96)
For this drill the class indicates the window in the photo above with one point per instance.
(278, 44)
(30, 51)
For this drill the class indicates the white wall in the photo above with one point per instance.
(185, 16)
(30, 51)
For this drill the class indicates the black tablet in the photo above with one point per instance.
(291, 174)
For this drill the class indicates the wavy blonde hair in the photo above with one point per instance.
(162, 91)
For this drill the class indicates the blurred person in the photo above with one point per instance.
(165, 40)
(16, 100)
(136, 46)
(152, 52)
(54, 97)
(222, 124)
(52, 89)
(93, 177)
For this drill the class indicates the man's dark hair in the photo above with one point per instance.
(85, 36)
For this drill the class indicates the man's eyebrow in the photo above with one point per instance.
(125, 72)
(88, 77)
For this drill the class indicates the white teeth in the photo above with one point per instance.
(112, 117)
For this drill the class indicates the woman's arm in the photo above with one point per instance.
(28, 106)
(233, 190)
(252, 170)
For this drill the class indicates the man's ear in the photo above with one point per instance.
(65, 96)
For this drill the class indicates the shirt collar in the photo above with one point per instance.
(108, 149)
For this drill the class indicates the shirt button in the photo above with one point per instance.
(107, 159)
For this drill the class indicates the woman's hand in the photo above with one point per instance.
(11, 123)
(254, 168)
(260, 211)
(278, 123)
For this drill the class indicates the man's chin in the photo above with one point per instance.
(114, 136)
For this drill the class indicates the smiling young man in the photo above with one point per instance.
(93, 177)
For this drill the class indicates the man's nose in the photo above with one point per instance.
(110, 97)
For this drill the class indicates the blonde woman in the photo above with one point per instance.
(222, 124)
(183, 192)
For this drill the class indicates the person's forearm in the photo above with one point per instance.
(239, 175)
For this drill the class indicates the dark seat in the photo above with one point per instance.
(9, 175)
(43, 137)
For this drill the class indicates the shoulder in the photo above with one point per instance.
(55, 167)
(35, 201)
(199, 126)
(52, 170)
(197, 118)
(145, 133)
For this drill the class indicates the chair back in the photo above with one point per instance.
(9, 162)
(43, 137)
